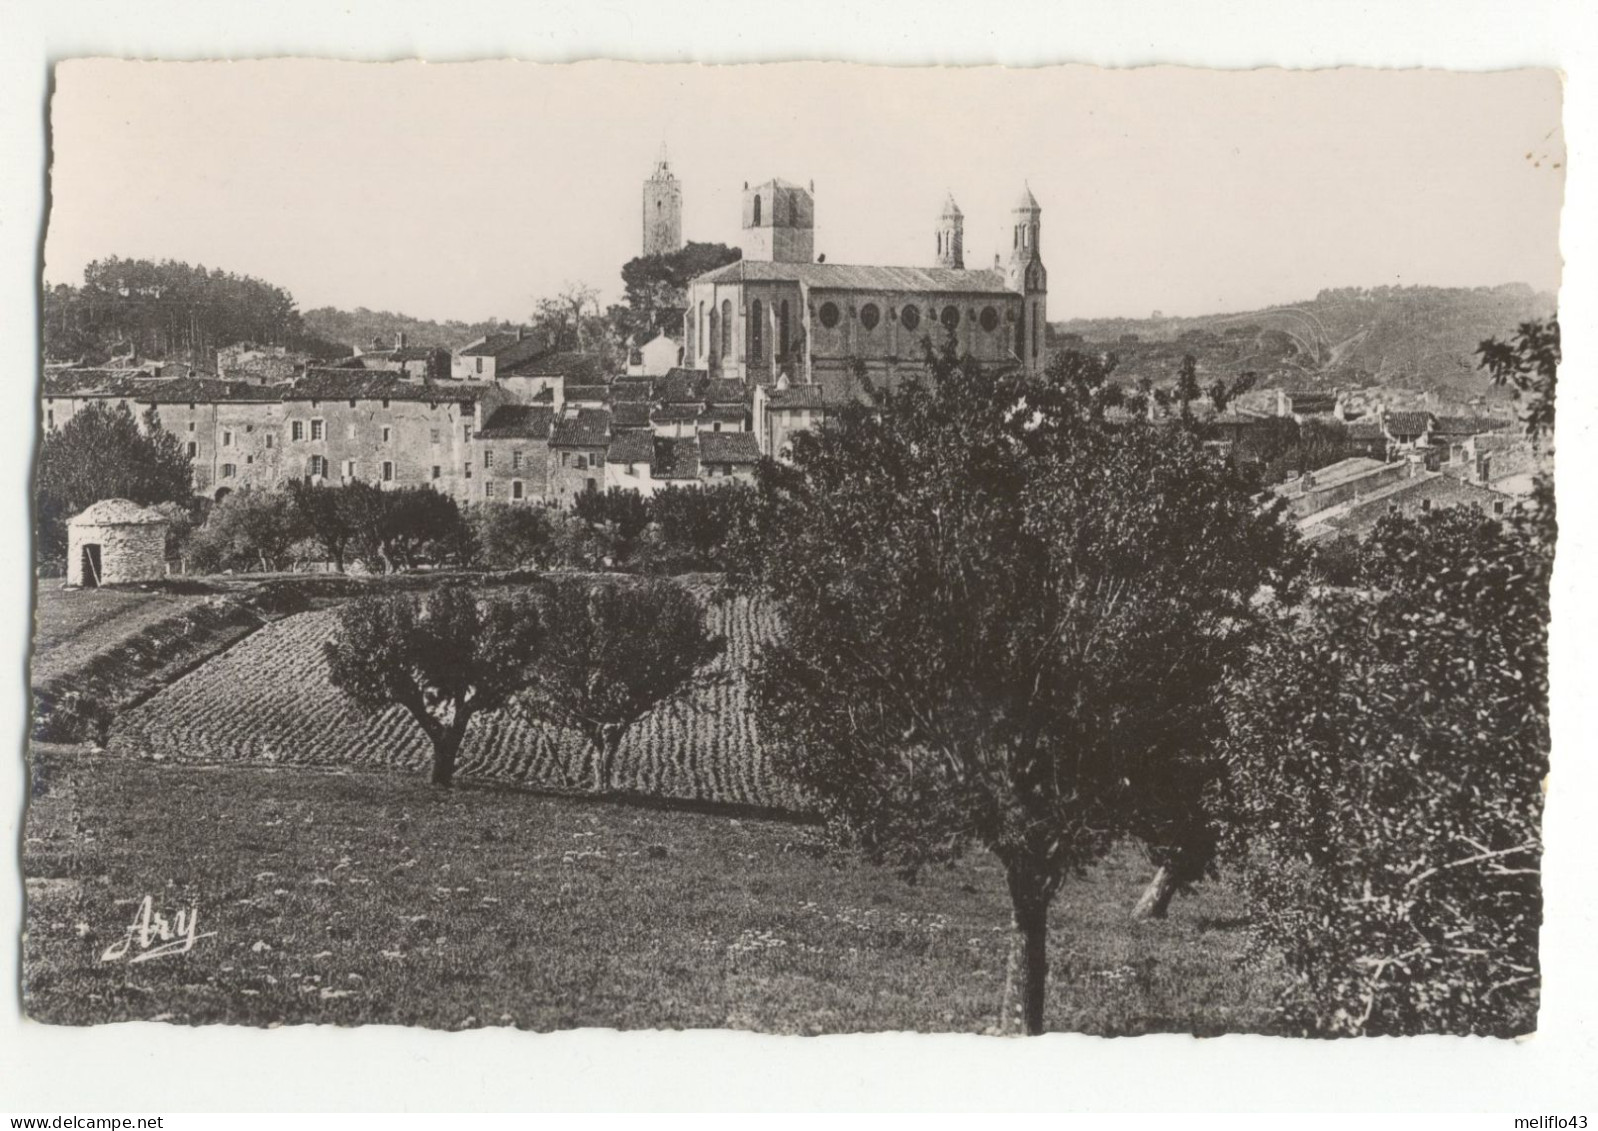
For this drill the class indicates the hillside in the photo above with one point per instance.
(1420, 338)
(360, 326)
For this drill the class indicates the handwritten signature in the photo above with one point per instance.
(151, 935)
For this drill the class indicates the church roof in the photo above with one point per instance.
(1027, 200)
(951, 210)
(847, 277)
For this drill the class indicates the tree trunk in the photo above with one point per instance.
(604, 758)
(1029, 900)
(1156, 898)
(446, 745)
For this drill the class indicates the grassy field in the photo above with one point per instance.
(72, 626)
(356, 897)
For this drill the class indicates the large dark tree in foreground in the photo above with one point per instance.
(444, 658)
(1005, 626)
(1528, 363)
(611, 653)
(104, 453)
(1388, 752)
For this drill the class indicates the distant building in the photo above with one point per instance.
(780, 311)
(483, 359)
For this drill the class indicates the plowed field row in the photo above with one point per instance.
(268, 700)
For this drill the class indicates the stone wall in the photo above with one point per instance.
(128, 552)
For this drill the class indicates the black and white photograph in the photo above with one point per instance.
(793, 548)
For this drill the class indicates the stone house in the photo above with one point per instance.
(486, 358)
(514, 455)
(115, 541)
(629, 462)
(577, 448)
(728, 455)
(67, 392)
(232, 431)
(345, 425)
(780, 412)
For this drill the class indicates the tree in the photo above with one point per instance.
(248, 529)
(622, 514)
(443, 658)
(1387, 755)
(1222, 393)
(323, 519)
(696, 523)
(611, 653)
(421, 524)
(103, 453)
(656, 286)
(1005, 626)
(1187, 385)
(509, 536)
(1530, 364)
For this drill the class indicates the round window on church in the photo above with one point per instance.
(951, 317)
(910, 317)
(870, 316)
(829, 314)
(990, 319)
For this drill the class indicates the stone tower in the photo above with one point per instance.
(779, 224)
(1026, 276)
(951, 235)
(662, 210)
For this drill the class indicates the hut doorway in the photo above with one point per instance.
(91, 565)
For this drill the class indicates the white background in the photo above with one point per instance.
(150, 1068)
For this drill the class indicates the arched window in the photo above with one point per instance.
(951, 317)
(910, 317)
(829, 314)
(757, 208)
(870, 316)
(989, 319)
(756, 333)
(726, 326)
(705, 348)
(711, 337)
(1034, 335)
(1020, 335)
(782, 328)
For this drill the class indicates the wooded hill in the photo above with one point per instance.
(1421, 338)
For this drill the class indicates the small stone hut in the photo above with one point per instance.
(115, 541)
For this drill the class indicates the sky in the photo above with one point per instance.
(469, 190)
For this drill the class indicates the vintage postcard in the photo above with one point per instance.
(804, 548)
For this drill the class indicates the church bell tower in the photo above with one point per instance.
(951, 235)
(1025, 274)
(662, 209)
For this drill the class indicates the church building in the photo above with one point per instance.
(779, 313)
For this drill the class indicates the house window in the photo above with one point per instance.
(271, 440)
(229, 470)
(516, 460)
(1498, 508)
(468, 466)
(466, 434)
(318, 466)
(49, 418)
(318, 430)
(438, 472)
(352, 402)
(488, 457)
(388, 433)
(349, 470)
(757, 209)
(349, 431)
(249, 459)
(314, 404)
(479, 365)
(191, 426)
(488, 489)
(227, 438)
(1425, 504)
(580, 462)
(192, 448)
(716, 427)
(565, 459)
(388, 471)
(434, 436)
(516, 488)
(385, 402)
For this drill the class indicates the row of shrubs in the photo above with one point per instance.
(357, 525)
